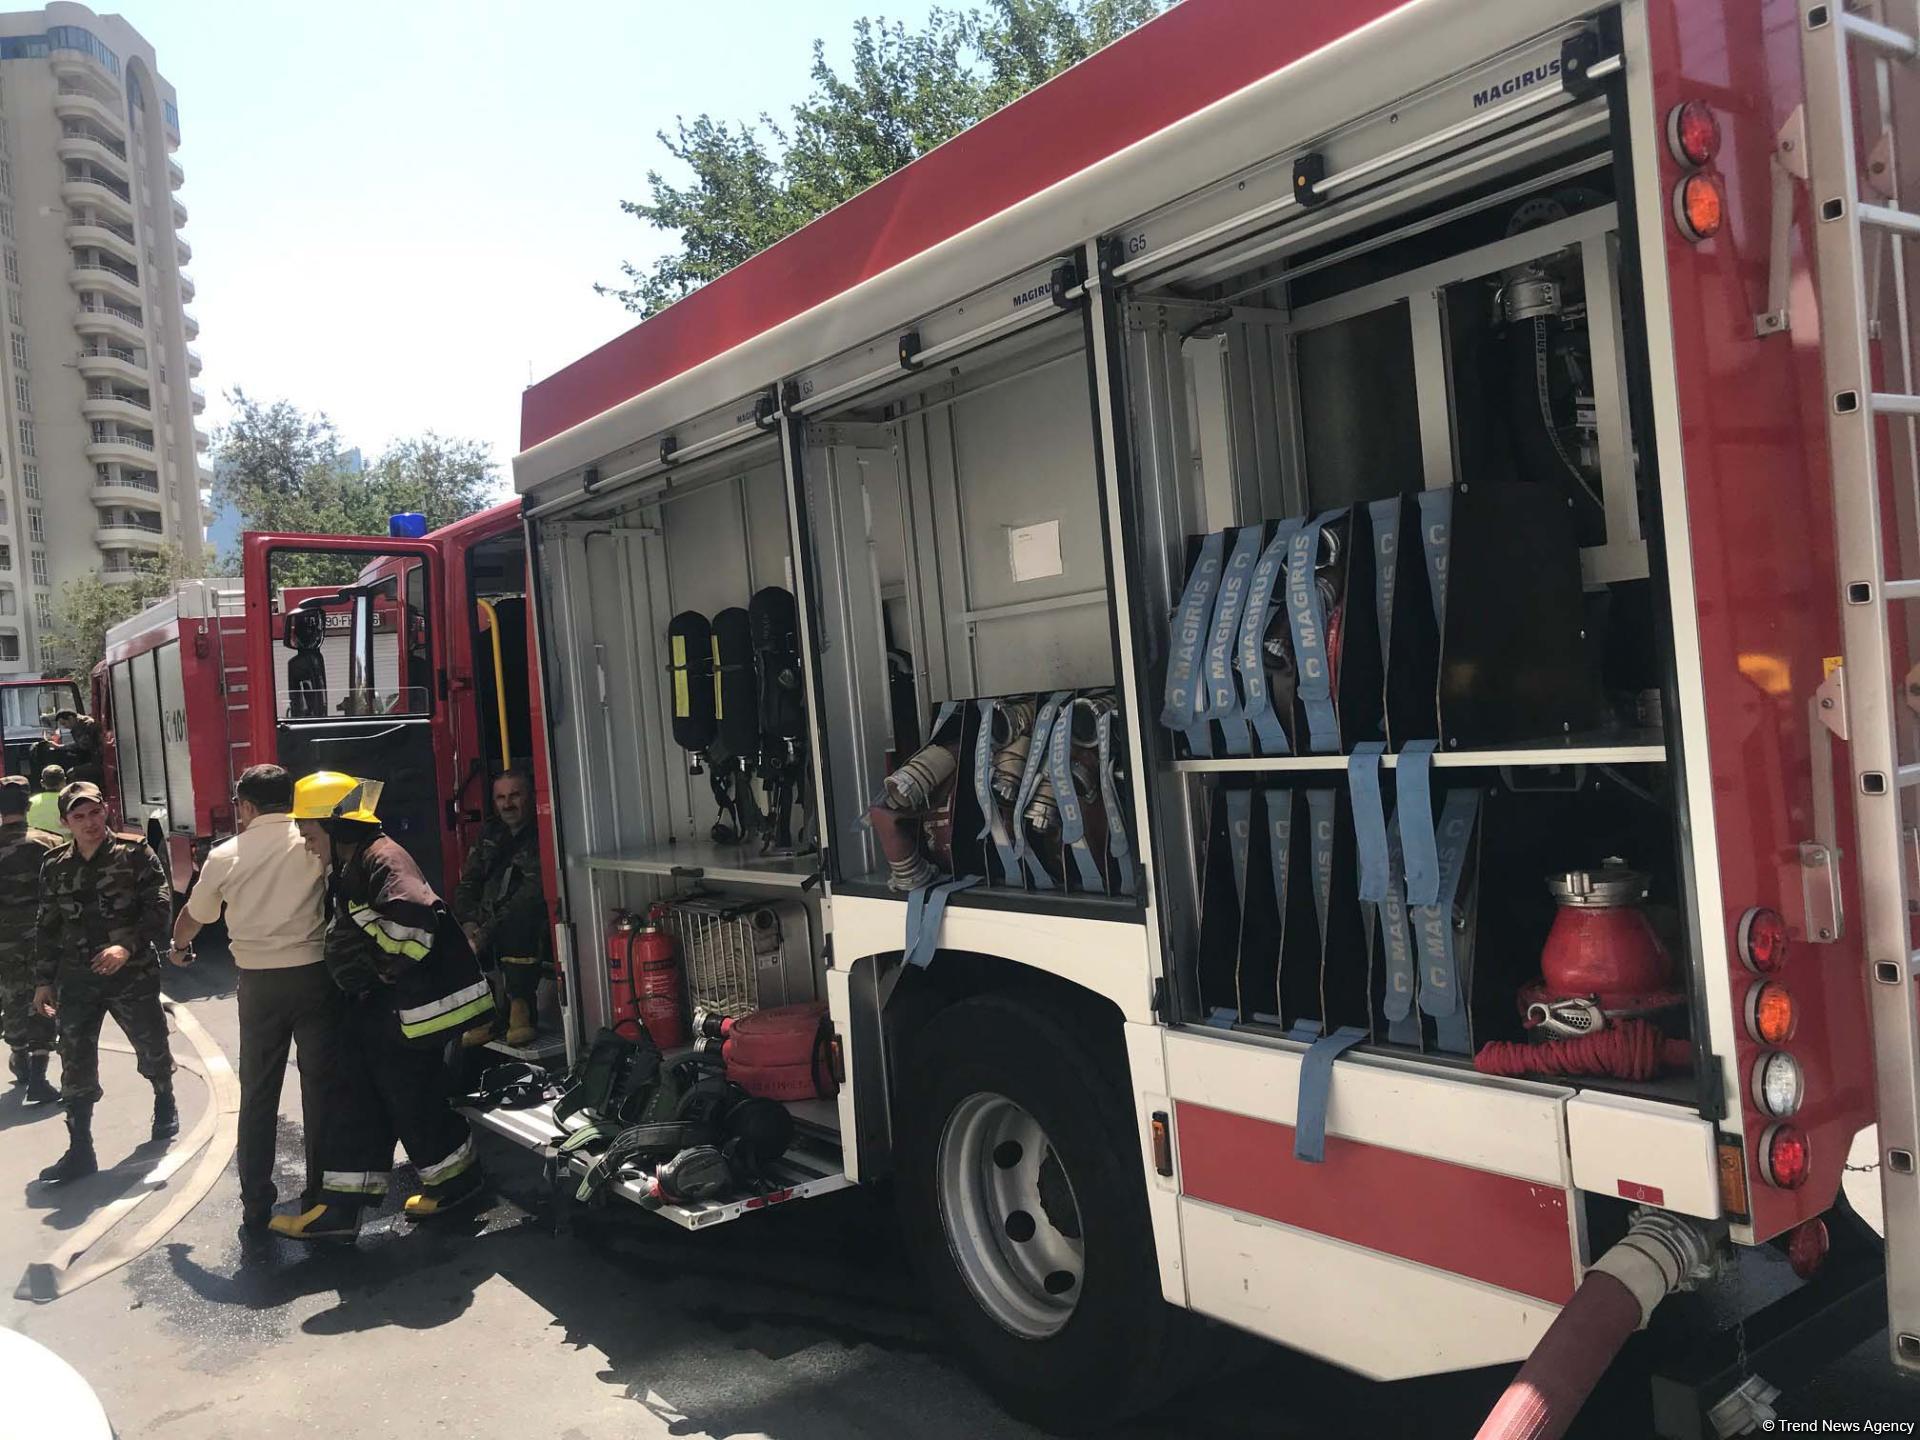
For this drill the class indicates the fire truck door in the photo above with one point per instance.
(351, 635)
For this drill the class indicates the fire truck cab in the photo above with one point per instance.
(1327, 550)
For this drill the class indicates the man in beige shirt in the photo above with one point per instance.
(274, 894)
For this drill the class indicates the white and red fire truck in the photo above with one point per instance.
(1356, 752)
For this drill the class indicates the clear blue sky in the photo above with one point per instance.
(398, 210)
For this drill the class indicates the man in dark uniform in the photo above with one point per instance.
(411, 986)
(500, 903)
(105, 907)
(23, 850)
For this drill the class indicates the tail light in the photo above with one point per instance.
(1763, 941)
(1772, 1014)
(1699, 206)
(1786, 1157)
(1778, 1084)
(1693, 132)
(1807, 1247)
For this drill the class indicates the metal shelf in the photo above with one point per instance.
(701, 859)
(1626, 748)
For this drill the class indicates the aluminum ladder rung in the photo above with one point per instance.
(1897, 43)
(1887, 402)
(1901, 590)
(1887, 217)
(1908, 776)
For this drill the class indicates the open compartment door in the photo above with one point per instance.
(349, 632)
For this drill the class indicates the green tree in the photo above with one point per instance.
(90, 606)
(903, 92)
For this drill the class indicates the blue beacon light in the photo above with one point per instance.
(408, 525)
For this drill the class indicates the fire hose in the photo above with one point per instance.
(1656, 1257)
(1627, 1050)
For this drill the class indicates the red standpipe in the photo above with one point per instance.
(1659, 1252)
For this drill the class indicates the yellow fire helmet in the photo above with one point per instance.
(330, 795)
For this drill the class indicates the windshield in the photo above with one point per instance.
(32, 707)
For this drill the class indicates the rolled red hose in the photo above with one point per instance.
(1567, 1363)
(1634, 1049)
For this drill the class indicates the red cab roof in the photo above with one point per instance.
(1198, 52)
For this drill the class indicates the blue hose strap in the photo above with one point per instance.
(1240, 838)
(1263, 603)
(1436, 520)
(1073, 819)
(1385, 515)
(1224, 1017)
(1280, 843)
(926, 908)
(1433, 925)
(991, 825)
(1369, 817)
(1309, 621)
(1396, 939)
(1413, 790)
(1223, 704)
(1183, 708)
(1117, 845)
(1316, 1086)
(942, 716)
(1320, 810)
(1030, 781)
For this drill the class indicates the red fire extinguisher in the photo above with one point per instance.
(625, 1018)
(657, 983)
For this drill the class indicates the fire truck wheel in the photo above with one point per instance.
(1023, 1199)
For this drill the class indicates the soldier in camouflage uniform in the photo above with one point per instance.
(106, 906)
(500, 904)
(23, 850)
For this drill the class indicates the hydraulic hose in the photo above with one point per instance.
(1617, 1296)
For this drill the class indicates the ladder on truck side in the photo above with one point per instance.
(236, 690)
(1865, 238)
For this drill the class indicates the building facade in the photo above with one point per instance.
(102, 457)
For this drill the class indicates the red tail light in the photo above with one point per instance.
(1786, 1157)
(1807, 1247)
(1693, 132)
(1699, 206)
(1763, 941)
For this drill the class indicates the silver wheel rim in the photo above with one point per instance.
(1010, 1215)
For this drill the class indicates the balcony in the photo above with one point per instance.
(97, 317)
(103, 402)
(201, 442)
(78, 141)
(108, 449)
(127, 487)
(193, 361)
(124, 573)
(85, 190)
(190, 325)
(198, 397)
(76, 104)
(182, 251)
(103, 235)
(131, 537)
(111, 362)
(114, 283)
(187, 290)
(179, 213)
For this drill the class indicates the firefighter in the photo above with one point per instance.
(43, 810)
(105, 908)
(500, 903)
(411, 985)
(23, 850)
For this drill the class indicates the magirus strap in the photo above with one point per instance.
(1222, 702)
(1413, 787)
(926, 908)
(1117, 845)
(1309, 621)
(1316, 1085)
(1240, 839)
(992, 826)
(1385, 515)
(1073, 820)
(1396, 936)
(1320, 813)
(1184, 699)
(1264, 599)
(1280, 853)
(1436, 519)
(1369, 817)
(1433, 925)
(1043, 723)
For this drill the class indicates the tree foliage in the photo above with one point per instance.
(902, 93)
(283, 469)
(90, 606)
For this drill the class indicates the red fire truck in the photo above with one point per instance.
(1356, 751)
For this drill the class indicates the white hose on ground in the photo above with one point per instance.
(1616, 1298)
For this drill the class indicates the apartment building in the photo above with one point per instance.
(102, 456)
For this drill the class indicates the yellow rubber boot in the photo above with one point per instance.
(520, 1026)
(318, 1222)
(481, 1034)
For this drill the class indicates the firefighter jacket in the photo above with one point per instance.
(121, 896)
(390, 937)
(500, 892)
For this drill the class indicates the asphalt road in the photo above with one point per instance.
(800, 1323)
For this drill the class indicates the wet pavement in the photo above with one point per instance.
(798, 1323)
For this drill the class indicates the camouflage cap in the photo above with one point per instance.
(15, 793)
(78, 791)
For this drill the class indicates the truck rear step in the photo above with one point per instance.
(811, 1167)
